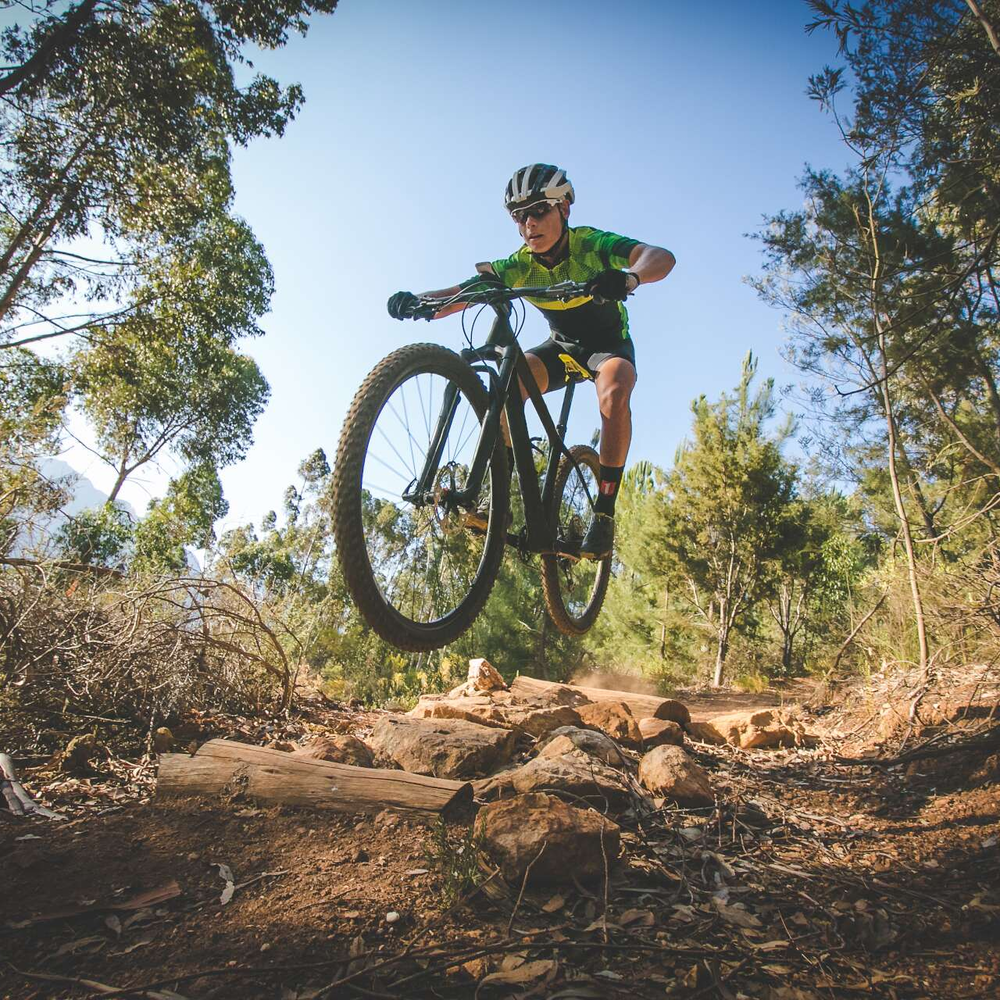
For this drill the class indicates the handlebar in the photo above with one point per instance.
(490, 294)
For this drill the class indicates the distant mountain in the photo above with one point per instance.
(84, 495)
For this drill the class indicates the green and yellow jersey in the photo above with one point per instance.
(582, 319)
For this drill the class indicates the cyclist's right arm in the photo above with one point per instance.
(446, 293)
(484, 269)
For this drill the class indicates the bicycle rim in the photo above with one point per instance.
(419, 570)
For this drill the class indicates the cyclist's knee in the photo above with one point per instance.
(540, 372)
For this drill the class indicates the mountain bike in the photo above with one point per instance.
(421, 484)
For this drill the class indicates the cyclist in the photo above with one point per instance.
(589, 336)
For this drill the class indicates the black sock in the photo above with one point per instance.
(607, 493)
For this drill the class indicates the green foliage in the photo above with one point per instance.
(117, 125)
(726, 510)
(457, 858)
(184, 517)
(100, 536)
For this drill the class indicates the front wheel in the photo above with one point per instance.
(575, 588)
(419, 567)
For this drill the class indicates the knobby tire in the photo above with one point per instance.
(348, 527)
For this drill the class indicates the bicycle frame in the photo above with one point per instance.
(540, 522)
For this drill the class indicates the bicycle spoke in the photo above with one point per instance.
(423, 558)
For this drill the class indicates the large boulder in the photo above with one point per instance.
(766, 728)
(445, 748)
(541, 722)
(479, 710)
(337, 748)
(569, 738)
(657, 732)
(557, 841)
(668, 772)
(705, 732)
(613, 718)
(483, 676)
(575, 772)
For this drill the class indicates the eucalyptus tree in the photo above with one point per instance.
(117, 125)
(888, 273)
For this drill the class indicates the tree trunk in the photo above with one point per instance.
(61, 37)
(911, 559)
(720, 657)
(642, 706)
(663, 626)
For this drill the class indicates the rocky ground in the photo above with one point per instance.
(786, 846)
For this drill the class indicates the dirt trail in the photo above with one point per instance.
(811, 878)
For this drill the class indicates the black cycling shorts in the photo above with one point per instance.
(566, 361)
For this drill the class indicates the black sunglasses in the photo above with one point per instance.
(521, 215)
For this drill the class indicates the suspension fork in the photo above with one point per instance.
(419, 492)
(501, 335)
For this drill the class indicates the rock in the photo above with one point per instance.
(446, 748)
(483, 676)
(163, 740)
(763, 729)
(339, 749)
(575, 772)
(542, 722)
(614, 718)
(558, 841)
(667, 771)
(477, 710)
(705, 732)
(642, 705)
(570, 738)
(657, 732)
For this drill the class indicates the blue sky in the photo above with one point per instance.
(680, 125)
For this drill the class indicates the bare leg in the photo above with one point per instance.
(615, 381)
(541, 374)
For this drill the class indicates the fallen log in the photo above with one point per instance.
(239, 770)
(19, 802)
(643, 706)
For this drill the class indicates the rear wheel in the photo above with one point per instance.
(575, 588)
(419, 568)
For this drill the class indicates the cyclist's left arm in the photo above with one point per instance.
(649, 263)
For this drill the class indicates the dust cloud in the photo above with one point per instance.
(632, 683)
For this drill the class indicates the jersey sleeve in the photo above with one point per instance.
(611, 247)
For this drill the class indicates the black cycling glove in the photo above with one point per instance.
(402, 305)
(609, 285)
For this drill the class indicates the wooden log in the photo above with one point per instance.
(227, 768)
(643, 706)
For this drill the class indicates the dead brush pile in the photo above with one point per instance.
(138, 649)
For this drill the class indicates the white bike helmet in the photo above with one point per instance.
(537, 182)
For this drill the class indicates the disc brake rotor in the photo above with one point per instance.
(449, 481)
